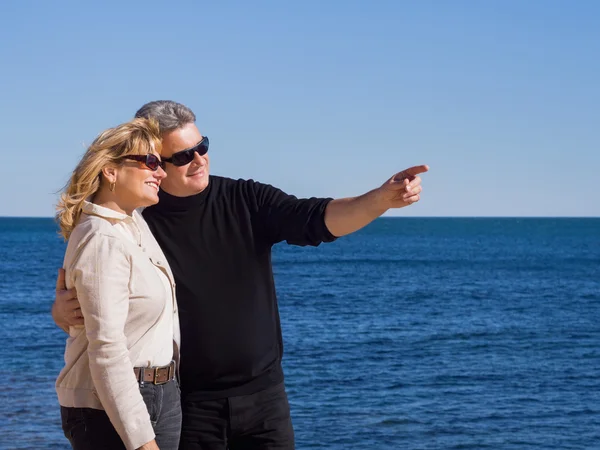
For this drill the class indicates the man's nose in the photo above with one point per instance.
(200, 160)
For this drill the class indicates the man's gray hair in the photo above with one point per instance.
(169, 114)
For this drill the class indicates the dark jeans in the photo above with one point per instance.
(90, 429)
(259, 421)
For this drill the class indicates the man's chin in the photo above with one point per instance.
(199, 183)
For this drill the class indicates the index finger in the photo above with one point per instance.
(70, 295)
(415, 170)
(60, 281)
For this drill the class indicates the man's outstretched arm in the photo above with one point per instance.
(66, 310)
(346, 215)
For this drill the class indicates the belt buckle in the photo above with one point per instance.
(156, 377)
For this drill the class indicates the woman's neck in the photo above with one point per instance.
(108, 200)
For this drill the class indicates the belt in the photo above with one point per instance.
(155, 375)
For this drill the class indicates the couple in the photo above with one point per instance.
(208, 240)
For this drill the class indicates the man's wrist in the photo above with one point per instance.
(376, 203)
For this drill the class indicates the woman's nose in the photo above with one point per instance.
(160, 173)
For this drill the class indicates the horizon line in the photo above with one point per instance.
(400, 217)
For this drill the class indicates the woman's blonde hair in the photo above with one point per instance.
(137, 137)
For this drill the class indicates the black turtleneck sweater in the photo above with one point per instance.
(218, 244)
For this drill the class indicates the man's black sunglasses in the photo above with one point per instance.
(186, 156)
(151, 161)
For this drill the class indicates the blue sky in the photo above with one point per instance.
(324, 98)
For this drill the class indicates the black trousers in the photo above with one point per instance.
(259, 421)
(91, 429)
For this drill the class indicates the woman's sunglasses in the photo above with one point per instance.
(151, 161)
(186, 156)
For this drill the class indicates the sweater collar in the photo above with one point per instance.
(168, 202)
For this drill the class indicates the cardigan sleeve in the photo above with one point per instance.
(101, 277)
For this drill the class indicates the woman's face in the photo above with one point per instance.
(137, 185)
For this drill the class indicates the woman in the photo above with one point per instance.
(118, 386)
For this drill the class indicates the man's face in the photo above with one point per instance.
(191, 179)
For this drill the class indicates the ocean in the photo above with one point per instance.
(413, 333)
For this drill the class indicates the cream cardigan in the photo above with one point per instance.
(121, 276)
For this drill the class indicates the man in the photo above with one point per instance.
(217, 234)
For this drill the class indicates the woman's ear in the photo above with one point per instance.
(110, 173)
